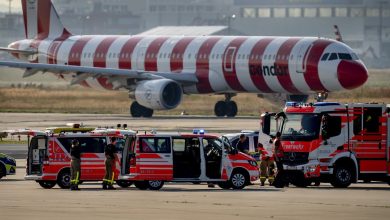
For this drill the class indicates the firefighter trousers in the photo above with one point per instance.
(75, 171)
(109, 175)
(267, 170)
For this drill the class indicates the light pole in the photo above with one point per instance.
(229, 22)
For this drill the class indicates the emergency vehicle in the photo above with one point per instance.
(152, 159)
(332, 142)
(7, 165)
(48, 160)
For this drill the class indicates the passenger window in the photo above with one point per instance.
(371, 122)
(155, 145)
(345, 56)
(179, 145)
(333, 56)
(325, 57)
(87, 144)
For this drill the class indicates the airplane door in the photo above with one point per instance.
(228, 60)
(141, 58)
(301, 60)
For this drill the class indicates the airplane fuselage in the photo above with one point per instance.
(222, 64)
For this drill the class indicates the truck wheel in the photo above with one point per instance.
(225, 185)
(63, 179)
(141, 185)
(155, 184)
(342, 177)
(3, 171)
(47, 184)
(124, 183)
(238, 180)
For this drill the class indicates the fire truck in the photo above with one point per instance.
(331, 142)
(48, 160)
(151, 159)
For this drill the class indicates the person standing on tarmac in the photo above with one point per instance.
(278, 156)
(242, 144)
(75, 164)
(267, 166)
(109, 152)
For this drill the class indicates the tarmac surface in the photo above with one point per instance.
(27, 200)
(21, 199)
(160, 123)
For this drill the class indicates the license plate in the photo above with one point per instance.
(291, 168)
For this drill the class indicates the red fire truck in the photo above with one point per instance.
(332, 142)
(152, 159)
(48, 160)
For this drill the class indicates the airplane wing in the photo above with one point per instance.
(11, 50)
(84, 72)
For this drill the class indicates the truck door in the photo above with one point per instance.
(128, 155)
(154, 162)
(37, 153)
(369, 131)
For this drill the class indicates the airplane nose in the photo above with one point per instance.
(351, 74)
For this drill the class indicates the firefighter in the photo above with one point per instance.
(280, 180)
(109, 152)
(242, 144)
(75, 170)
(267, 166)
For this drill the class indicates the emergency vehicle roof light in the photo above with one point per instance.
(201, 131)
(195, 131)
(326, 103)
(291, 104)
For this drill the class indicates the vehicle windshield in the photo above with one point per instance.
(301, 127)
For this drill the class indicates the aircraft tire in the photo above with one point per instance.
(220, 109)
(231, 109)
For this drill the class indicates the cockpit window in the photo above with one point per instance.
(354, 56)
(325, 57)
(345, 56)
(333, 56)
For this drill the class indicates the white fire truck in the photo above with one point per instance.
(332, 142)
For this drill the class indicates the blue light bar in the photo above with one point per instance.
(195, 131)
(291, 104)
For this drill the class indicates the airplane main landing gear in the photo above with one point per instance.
(137, 110)
(226, 108)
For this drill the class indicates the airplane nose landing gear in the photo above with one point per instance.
(226, 108)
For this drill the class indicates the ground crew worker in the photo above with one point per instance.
(75, 164)
(267, 166)
(109, 152)
(242, 145)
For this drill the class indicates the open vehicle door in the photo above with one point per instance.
(128, 154)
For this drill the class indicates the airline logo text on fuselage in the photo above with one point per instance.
(274, 70)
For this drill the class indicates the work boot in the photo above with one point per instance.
(104, 185)
(110, 187)
(262, 184)
(211, 185)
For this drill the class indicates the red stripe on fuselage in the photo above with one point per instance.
(152, 53)
(76, 51)
(281, 65)
(128, 48)
(312, 76)
(74, 57)
(43, 13)
(229, 63)
(256, 65)
(55, 46)
(99, 59)
(176, 62)
(202, 65)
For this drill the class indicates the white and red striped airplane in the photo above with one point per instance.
(158, 70)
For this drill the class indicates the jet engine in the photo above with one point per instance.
(160, 94)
